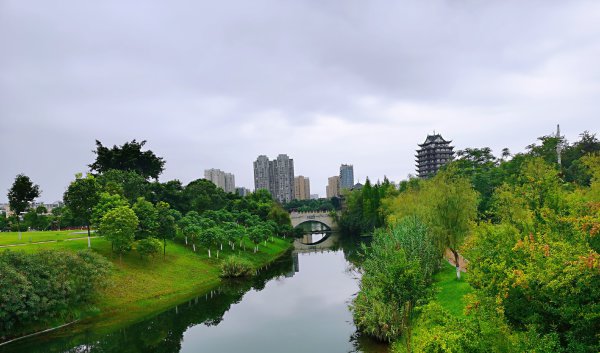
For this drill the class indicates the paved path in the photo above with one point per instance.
(43, 242)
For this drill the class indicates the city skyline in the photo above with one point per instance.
(364, 84)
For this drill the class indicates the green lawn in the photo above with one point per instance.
(141, 287)
(11, 238)
(450, 291)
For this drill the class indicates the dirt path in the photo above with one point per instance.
(462, 262)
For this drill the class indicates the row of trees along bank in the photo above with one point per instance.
(529, 228)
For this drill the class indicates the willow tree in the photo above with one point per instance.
(452, 208)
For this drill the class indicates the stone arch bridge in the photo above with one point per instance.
(323, 217)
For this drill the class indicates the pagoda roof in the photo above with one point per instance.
(436, 138)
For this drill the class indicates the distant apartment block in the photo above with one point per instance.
(314, 196)
(346, 176)
(225, 181)
(432, 155)
(277, 176)
(301, 188)
(333, 187)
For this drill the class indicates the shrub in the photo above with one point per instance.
(46, 285)
(234, 266)
(148, 246)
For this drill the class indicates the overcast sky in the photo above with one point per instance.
(213, 84)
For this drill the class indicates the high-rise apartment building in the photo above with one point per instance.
(333, 187)
(277, 176)
(346, 176)
(432, 155)
(225, 181)
(301, 188)
(261, 173)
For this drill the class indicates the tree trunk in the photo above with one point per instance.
(221, 248)
(209, 253)
(217, 254)
(186, 243)
(456, 263)
(19, 226)
(89, 236)
(194, 247)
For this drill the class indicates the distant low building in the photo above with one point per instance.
(314, 196)
(432, 155)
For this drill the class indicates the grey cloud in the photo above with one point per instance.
(215, 84)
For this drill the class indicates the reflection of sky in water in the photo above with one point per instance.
(304, 313)
(313, 238)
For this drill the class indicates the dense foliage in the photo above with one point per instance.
(128, 157)
(312, 205)
(396, 274)
(362, 213)
(530, 230)
(44, 286)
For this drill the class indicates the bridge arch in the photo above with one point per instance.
(322, 217)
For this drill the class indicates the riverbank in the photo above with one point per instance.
(449, 297)
(138, 288)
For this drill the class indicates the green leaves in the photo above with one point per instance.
(119, 226)
(41, 286)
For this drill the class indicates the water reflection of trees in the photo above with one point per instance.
(162, 333)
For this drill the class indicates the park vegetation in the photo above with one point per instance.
(124, 204)
(528, 228)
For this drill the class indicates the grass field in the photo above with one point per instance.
(12, 238)
(450, 291)
(140, 287)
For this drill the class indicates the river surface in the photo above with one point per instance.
(297, 304)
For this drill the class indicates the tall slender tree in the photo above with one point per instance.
(20, 195)
(80, 198)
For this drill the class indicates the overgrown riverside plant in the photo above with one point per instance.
(36, 288)
(234, 266)
(396, 273)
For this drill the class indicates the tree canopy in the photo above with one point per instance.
(128, 157)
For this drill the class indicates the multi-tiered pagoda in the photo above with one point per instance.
(433, 153)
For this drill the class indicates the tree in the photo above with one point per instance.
(106, 203)
(148, 218)
(128, 157)
(22, 192)
(80, 198)
(166, 223)
(452, 209)
(119, 226)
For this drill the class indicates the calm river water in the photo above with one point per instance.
(298, 304)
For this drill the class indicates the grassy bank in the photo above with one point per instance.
(449, 295)
(139, 288)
